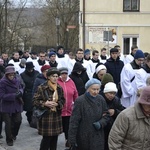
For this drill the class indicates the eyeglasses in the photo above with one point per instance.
(79, 53)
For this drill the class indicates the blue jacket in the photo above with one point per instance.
(8, 101)
(114, 67)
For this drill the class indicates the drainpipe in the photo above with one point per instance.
(83, 29)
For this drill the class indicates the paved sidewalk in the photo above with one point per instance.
(28, 139)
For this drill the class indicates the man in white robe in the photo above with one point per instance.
(128, 83)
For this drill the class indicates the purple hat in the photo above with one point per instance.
(145, 96)
(9, 69)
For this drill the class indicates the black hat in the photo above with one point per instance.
(53, 70)
(29, 65)
(113, 50)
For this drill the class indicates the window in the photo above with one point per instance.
(128, 42)
(131, 5)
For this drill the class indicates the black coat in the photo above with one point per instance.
(81, 129)
(79, 79)
(114, 67)
(117, 106)
(28, 79)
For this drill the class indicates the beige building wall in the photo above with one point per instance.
(101, 15)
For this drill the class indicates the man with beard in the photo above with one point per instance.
(28, 76)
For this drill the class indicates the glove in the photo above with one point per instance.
(97, 125)
(73, 147)
(18, 94)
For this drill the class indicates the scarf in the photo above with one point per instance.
(55, 94)
(41, 63)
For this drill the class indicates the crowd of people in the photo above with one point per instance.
(98, 101)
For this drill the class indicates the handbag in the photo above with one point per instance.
(38, 113)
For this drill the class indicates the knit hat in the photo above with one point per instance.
(107, 78)
(139, 54)
(23, 61)
(91, 82)
(110, 87)
(63, 70)
(45, 67)
(145, 96)
(53, 70)
(86, 52)
(113, 50)
(10, 69)
(29, 65)
(51, 53)
(100, 67)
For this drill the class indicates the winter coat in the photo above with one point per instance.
(81, 129)
(114, 67)
(8, 101)
(27, 95)
(70, 94)
(38, 81)
(116, 105)
(79, 79)
(51, 122)
(131, 130)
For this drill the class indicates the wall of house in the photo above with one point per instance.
(108, 15)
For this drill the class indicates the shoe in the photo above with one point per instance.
(10, 143)
(14, 138)
(1, 136)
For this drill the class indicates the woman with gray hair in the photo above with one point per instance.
(89, 117)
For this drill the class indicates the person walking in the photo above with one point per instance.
(28, 77)
(70, 94)
(11, 104)
(131, 129)
(89, 117)
(50, 97)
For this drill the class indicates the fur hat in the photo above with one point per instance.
(29, 65)
(10, 69)
(91, 82)
(100, 67)
(110, 87)
(145, 96)
(63, 70)
(45, 67)
(139, 54)
(53, 70)
(107, 78)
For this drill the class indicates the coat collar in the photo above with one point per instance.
(138, 111)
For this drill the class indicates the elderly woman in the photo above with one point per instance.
(131, 129)
(11, 103)
(100, 71)
(114, 107)
(89, 117)
(49, 97)
(70, 94)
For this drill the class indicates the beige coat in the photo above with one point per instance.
(131, 131)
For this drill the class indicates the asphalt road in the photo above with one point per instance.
(28, 139)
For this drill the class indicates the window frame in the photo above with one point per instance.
(131, 10)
